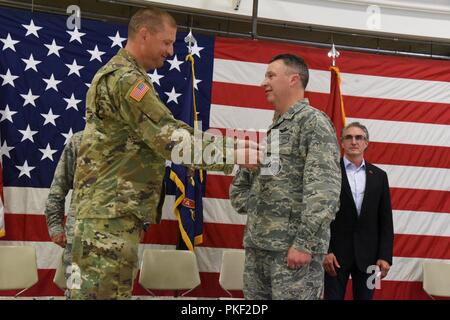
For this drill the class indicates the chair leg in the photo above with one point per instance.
(229, 293)
(183, 294)
(432, 298)
(150, 292)
(18, 294)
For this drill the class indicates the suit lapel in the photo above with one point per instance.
(370, 176)
(346, 186)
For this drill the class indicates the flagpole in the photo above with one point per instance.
(335, 107)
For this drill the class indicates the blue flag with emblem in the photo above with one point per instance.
(188, 206)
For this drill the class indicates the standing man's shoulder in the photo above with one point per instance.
(374, 169)
(316, 121)
(133, 79)
(122, 72)
(313, 114)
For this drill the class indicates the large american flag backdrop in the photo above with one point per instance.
(46, 69)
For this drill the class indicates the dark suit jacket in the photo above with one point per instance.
(364, 239)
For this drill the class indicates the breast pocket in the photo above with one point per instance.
(285, 144)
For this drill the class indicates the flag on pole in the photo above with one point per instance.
(188, 206)
(335, 107)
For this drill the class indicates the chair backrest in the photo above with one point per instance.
(18, 267)
(232, 270)
(169, 270)
(59, 279)
(436, 278)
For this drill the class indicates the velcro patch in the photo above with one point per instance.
(139, 90)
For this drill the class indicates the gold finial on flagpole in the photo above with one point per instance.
(334, 54)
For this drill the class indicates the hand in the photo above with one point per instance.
(329, 262)
(297, 259)
(384, 267)
(60, 239)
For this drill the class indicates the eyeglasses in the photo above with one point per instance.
(358, 137)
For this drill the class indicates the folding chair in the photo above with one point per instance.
(169, 270)
(436, 279)
(232, 270)
(18, 268)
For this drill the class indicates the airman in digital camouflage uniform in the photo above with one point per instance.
(291, 202)
(55, 205)
(128, 135)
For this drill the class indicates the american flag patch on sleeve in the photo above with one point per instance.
(139, 91)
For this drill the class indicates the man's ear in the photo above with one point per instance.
(142, 33)
(295, 80)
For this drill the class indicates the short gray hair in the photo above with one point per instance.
(295, 62)
(355, 124)
(151, 18)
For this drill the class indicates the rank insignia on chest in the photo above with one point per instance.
(139, 91)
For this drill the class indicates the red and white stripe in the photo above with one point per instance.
(404, 102)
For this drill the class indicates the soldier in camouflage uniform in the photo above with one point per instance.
(120, 169)
(55, 206)
(289, 208)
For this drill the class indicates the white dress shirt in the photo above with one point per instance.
(357, 179)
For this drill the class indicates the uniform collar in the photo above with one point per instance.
(297, 107)
(127, 56)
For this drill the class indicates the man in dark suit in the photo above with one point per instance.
(362, 232)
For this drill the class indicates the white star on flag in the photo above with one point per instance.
(27, 134)
(195, 50)
(173, 96)
(51, 83)
(50, 117)
(25, 169)
(4, 150)
(74, 68)
(154, 77)
(8, 78)
(47, 152)
(29, 98)
(31, 29)
(96, 54)
(72, 102)
(196, 82)
(68, 136)
(75, 35)
(117, 40)
(31, 63)
(53, 48)
(9, 43)
(7, 114)
(174, 63)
